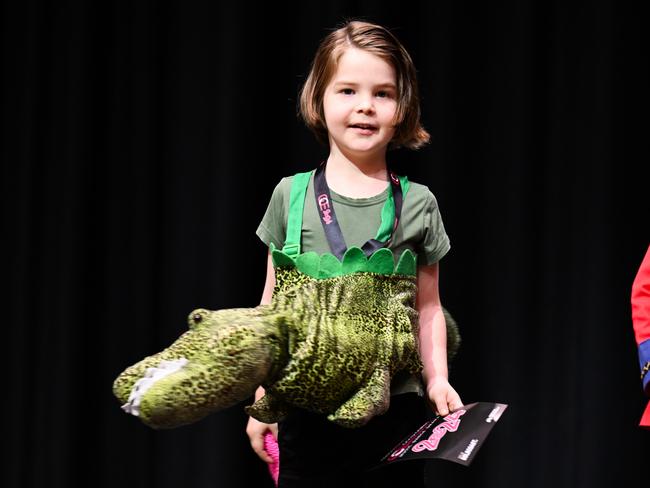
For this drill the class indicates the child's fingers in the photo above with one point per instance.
(441, 404)
(444, 398)
(258, 446)
(455, 403)
(255, 431)
(274, 430)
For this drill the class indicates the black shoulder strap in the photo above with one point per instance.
(331, 225)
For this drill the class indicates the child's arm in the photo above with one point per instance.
(270, 281)
(256, 429)
(433, 342)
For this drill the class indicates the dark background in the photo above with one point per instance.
(142, 141)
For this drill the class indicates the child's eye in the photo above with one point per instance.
(347, 91)
(383, 94)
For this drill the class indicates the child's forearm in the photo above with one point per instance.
(433, 344)
(267, 294)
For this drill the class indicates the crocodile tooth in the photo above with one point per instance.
(151, 376)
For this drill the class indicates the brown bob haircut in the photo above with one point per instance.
(377, 40)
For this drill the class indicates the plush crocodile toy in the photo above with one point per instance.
(331, 340)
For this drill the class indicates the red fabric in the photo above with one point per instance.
(645, 418)
(641, 301)
(641, 315)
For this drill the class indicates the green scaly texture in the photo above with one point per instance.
(331, 340)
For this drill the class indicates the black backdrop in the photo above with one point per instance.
(141, 142)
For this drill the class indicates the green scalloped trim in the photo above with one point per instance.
(354, 261)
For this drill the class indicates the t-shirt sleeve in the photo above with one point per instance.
(435, 243)
(273, 226)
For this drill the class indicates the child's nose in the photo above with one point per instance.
(365, 104)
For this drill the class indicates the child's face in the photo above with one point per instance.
(360, 103)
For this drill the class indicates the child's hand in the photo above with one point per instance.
(255, 430)
(443, 397)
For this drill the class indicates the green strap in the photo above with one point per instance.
(388, 211)
(296, 206)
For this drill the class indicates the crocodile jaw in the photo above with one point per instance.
(152, 375)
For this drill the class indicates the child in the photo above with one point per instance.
(361, 97)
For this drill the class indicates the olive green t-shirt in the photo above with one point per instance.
(420, 229)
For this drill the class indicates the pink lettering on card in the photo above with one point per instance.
(451, 424)
(404, 446)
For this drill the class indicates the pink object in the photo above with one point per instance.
(272, 448)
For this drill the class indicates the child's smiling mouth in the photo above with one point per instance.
(365, 129)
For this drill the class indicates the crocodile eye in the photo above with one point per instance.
(197, 317)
